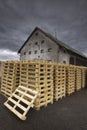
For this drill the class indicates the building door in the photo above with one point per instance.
(71, 60)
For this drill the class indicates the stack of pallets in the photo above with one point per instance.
(37, 75)
(83, 70)
(17, 74)
(78, 80)
(59, 81)
(49, 82)
(23, 74)
(10, 77)
(70, 79)
(41, 85)
(0, 72)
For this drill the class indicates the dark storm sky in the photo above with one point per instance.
(68, 18)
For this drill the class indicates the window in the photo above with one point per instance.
(24, 53)
(42, 51)
(29, 44)
(36, 43)
(64, 62)
(35, 52)
(36, 34)
(29, 52)
(42, 41)
(64, 51)
(50, 49)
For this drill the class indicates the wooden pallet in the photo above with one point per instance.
(21, 101)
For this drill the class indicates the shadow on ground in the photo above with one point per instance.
(70, 113)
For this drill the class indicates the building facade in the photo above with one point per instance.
(42, 46)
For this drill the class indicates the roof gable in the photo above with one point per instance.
(60, 43)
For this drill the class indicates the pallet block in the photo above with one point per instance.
(21, 101)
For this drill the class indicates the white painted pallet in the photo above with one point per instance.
(21, 101)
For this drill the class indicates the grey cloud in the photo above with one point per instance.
(68, 18)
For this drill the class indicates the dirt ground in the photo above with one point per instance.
(70, 113)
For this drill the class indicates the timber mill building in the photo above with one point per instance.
(43, 46)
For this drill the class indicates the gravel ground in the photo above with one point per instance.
(70, 113)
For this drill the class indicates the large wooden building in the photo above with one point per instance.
(43, 46)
